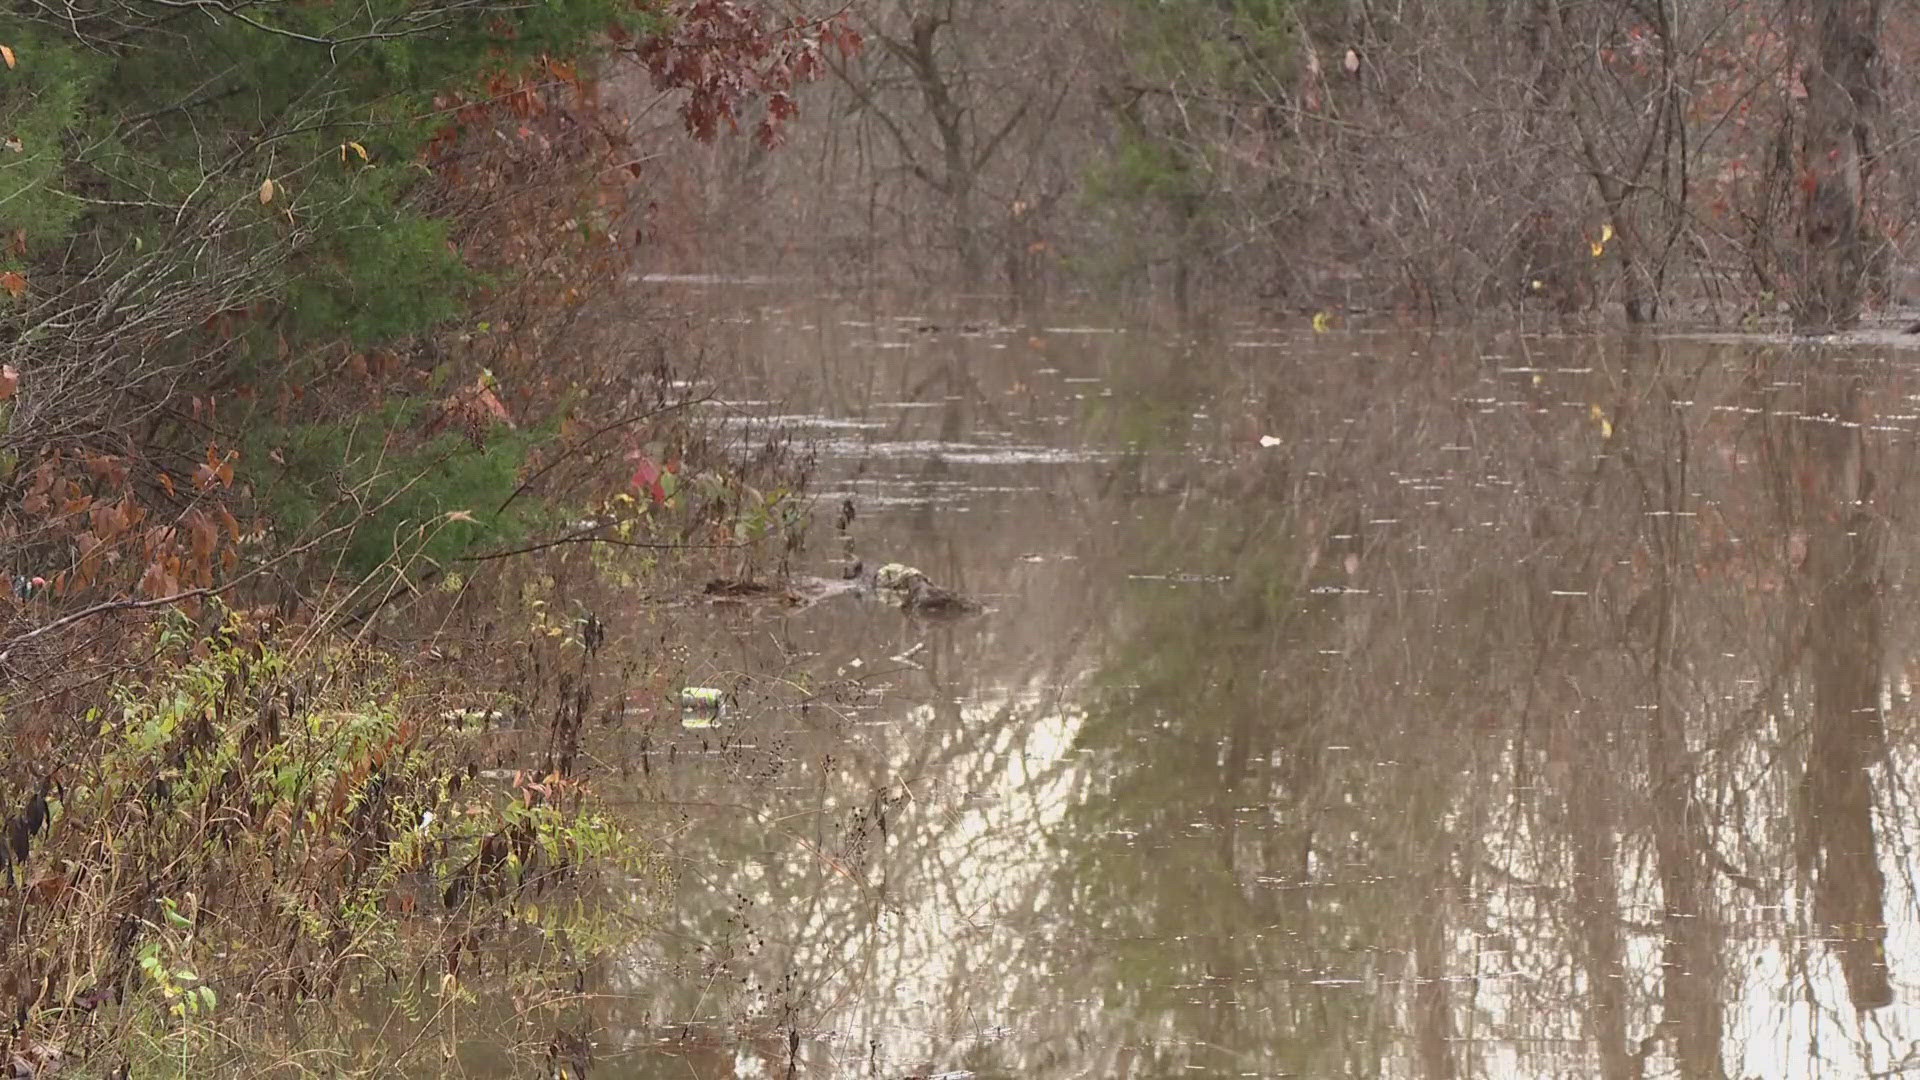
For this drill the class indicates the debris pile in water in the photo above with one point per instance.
(910, 589)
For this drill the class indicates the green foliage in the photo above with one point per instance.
(1204, 42)
(305, 815)
(46, 98)
(157, 138)
(1142, 168)
(391, 495)
(391, 273)
(1220, 51)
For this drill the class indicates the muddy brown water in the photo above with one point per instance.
(1347, 705)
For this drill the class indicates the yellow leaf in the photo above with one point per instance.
(6, 53)
(266, 191)
(1606, 232)
(1599, 248)
(355, 148)
(1321, 322)
(1600, 417)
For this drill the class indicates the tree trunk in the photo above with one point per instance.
(1844, 563)
(1591, 831)
(1841, 103)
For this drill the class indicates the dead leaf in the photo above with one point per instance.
(6, 53)
(1351, 62)
(15, 284)
(490, 406)
(9, 381)
(266, 191)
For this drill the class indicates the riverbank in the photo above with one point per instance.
(327, 434)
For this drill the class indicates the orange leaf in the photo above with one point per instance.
(6, 53)
(491, 405)
(200, 534)
(13, 283)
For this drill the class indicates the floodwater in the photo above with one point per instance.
(1346, 705)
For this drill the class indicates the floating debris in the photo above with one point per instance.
(908, 588)
(702, 706)
(702, 697)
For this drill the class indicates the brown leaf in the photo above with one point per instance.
(106, 520)
(14, 283)
(201, 533)
(6, 53)
(266, 191)
(492, 407)
(9, 381)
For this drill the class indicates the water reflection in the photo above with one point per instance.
(1527, 707)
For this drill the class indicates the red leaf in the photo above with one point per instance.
(646, 476)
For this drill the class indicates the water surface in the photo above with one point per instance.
(1347, 705)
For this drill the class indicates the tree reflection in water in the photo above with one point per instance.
(1534, 707)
